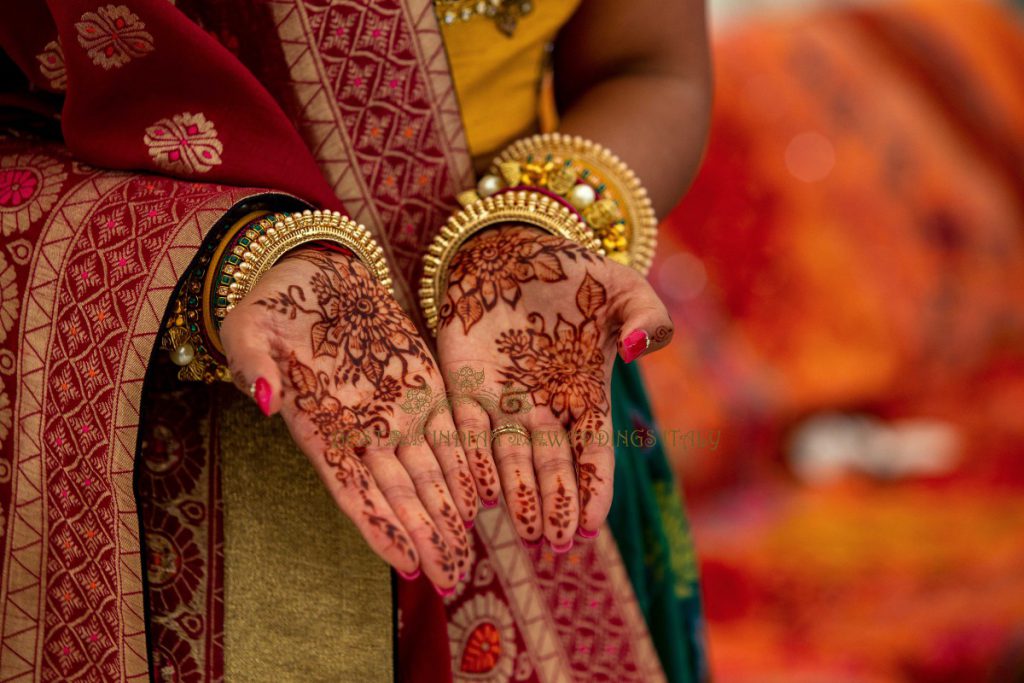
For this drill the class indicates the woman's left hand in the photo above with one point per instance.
(528, 335)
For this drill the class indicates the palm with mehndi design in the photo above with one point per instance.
(542, 319)
(341, 359)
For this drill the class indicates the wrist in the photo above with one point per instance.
(510, 229)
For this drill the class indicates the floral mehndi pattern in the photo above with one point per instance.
(113, 35)
(364, 361)
(563, 369)
(547, 346)
(493, 268)
(184, 143)
(359, 324)
(346, 432)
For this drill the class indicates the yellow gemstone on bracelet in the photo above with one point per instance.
(468, 197)
(511, 172)
(561, 180)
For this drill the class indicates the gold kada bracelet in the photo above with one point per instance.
(592, 179)
(297, 229)
(532, 208)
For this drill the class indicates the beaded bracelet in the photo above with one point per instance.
(533, 208)
(592, 179)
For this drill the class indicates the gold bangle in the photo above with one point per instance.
(595, 181)
(532, 208)
(295, 230)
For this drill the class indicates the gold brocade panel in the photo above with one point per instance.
(305, 597)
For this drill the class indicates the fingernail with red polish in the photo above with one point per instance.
(470, 523)
(409, 577)
(588, 534)
(489, 503)
(531, 544)
(634, 345)
(262, 394)
(444, 592)
(562, 549)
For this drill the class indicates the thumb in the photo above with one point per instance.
(646, 324)
(253, 370)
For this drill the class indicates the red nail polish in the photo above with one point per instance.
(444, 592)
(470, 524)
(531, 544)
(489, 503)
(262, 394)
(588, 534)
(634, 345)
(410, 577)
(562, 549)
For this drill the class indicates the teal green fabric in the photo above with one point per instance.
(650, 528)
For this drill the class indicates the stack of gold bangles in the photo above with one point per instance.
(565, 185)
(231, 267)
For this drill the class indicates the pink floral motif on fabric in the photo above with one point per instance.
(29, 186)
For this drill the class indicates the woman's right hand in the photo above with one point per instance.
(322, 342)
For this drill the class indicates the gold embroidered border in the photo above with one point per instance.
(24, 587)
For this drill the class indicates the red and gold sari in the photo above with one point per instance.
(151, 528)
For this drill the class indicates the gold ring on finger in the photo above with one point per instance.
(510, 428)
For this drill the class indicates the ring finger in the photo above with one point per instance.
(514, 455)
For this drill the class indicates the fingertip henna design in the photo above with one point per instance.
(455, 527)
(561, 514)
(486, 477)
(586, 431)
(662, 334)
(525, 505)
(468, 487)
(443, 551)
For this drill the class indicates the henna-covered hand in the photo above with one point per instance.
(535, 321)
(330, 349)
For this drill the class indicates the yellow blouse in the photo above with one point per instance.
(498, 78)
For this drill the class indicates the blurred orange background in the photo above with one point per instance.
(847, 281)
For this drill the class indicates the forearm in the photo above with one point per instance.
(636, 78)
(657, 124)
